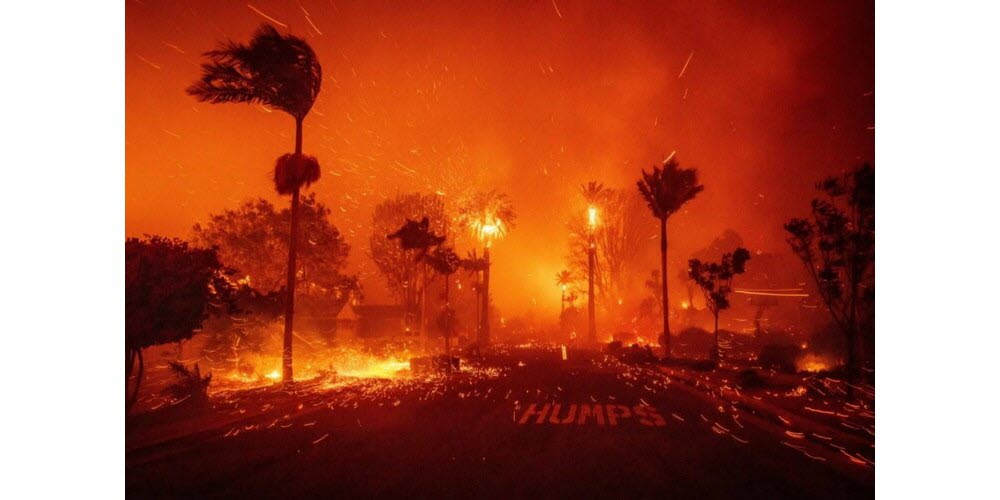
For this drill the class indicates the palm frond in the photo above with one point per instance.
(668, 188)
(293, 172)
(281, 71)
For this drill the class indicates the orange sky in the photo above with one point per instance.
(533, 98)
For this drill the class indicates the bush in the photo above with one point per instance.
(695, 341)
(779, 356)
(190, 385)
(750, 379)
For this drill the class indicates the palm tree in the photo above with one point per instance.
(418, 236)
(280, 71)
(488, 216)
(564, 279)
(475, 265)
(595, 194)
(666, 190)
(445, 262)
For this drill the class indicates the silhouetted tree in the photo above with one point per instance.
(400, 267)
(716, 281)
(618, 238)
(281, 71)
(418, 237)
(564, 279)
(189, 385)
(837, 245)
(714, 250)
(170, 289)
(445, 262)
(252, 239)
(654, 302)
(666, 190)
(475, 265)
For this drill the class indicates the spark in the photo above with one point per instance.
(304, 11)
(172, 46)
(746, 292)
(265, 16)
(151, 63)
(686, 67)
(557, 9)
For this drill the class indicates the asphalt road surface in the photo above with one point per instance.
(464, 438)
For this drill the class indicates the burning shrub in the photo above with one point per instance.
(190, 385)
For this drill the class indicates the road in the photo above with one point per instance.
(464, 438)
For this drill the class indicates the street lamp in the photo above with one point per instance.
(591, 249)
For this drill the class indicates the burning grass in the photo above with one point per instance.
(347, 361)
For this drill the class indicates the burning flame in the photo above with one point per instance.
(812, 363)
(257, 371)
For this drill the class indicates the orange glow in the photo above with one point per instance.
(812, 363)
(452, 98)
(341, 363)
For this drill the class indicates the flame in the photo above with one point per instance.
(812, 363)
(253, 371)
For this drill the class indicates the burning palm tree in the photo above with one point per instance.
(488, 216)
(595, 194)
(564, 279)
(281, 71)
(666, 190)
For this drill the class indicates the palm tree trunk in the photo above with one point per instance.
(591, 311)
(423, 305)
(715, 346)
(852, 341)
(478, 308)
(447, 321)
(562, 309)
(485, 317)
(293, 237)
(663, 279)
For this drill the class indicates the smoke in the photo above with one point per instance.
(454, 96)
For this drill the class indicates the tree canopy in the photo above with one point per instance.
(398, 265)
(253, 239)
(273, 69)
(667, 189)
(169, 289)
(716, 278)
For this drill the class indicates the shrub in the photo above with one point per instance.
(190, 385)
(779, 356)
